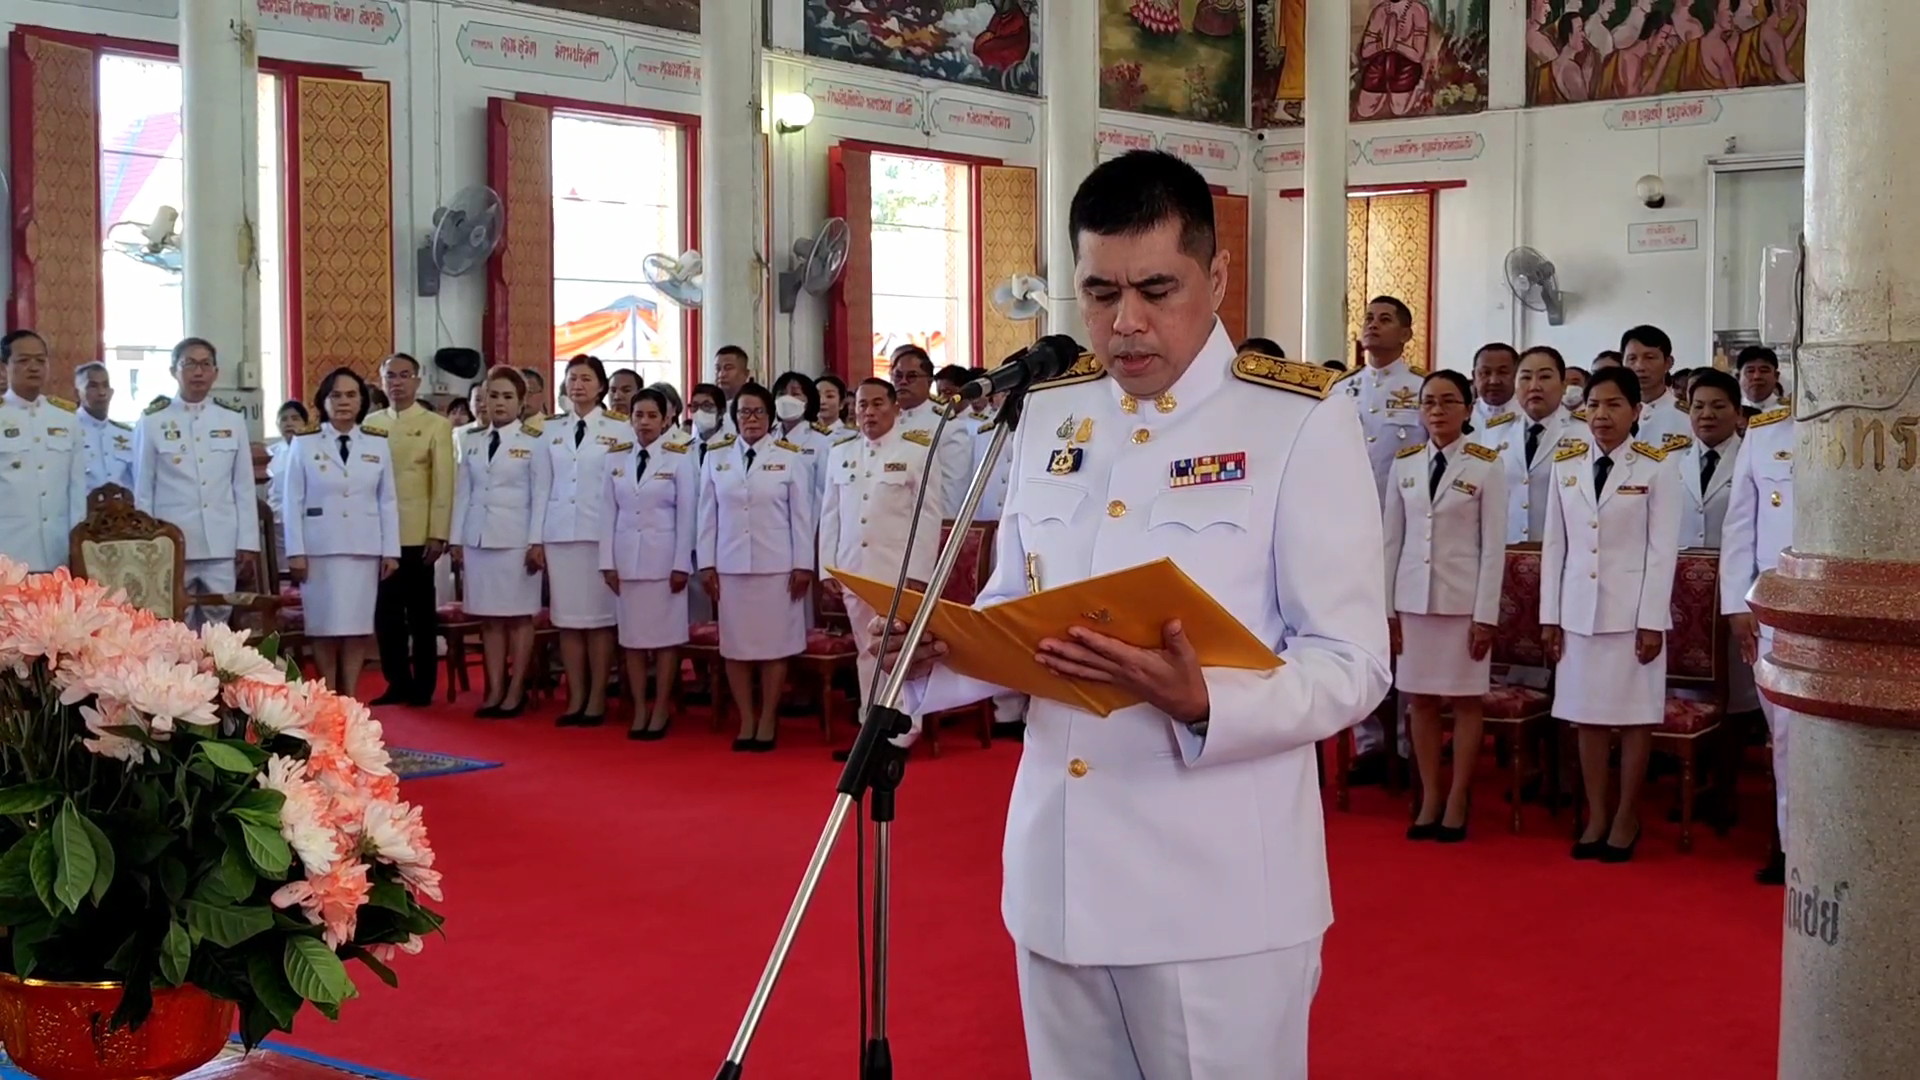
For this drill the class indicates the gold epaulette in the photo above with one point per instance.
(1310, 379)
(785, 445)
(620, 416)
(1679, 406)
(532, 425)
(1772, 416)
(824, 429)
(556, 416)
(620, 448)
(1411, 450)
(1649, 450)
(721, 443)
(1342, 376)
(310, 429)
(1675, 442)
(62, 404)
(1579, 414)
(1570, 449)
(986, 428)
(1086, 369)
(477, 425)
(1503, 418)
(1484, 453)
(121, 424)
(158, 404)
(674, 447)
(848, 439)
(376, 432)
(917, 437)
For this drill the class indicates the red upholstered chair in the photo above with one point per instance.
(830, 653)
(970, 574)
(456, 629)
(1696, 661)
(1512, 711)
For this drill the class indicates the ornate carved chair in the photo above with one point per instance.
(257, 603)
(123, 548)
(970, 575)
(1513, 711)
(831, 657)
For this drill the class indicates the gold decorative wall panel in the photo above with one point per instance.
(1009, 208)
(56, 170)
(1230, 232)
(1357, 295)
(342, 271)
(519, 316)
(1390, 253)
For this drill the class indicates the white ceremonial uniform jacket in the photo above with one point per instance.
(1530, 487)
(1664, 423)
(1774, 401)
(647, 526)
(993, 498)
(1389, 402)
(502, 502)
(1607, 564)
(574, 505)
(193, 466)
(1447, 555)
(1759, 523)
(815, 442)
(109, 451)
(43, 480)
(954, 453)
(869, 510)
(1495, 428)
(1131, 839)
(1701, 514)
(331, 507)
(756, 519)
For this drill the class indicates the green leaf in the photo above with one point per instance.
(27, 798)
(355, 952)
(261, 799)
(230, 882)
(390, 895)
(269, 978)
(16, 870)
(124, 957)
(269, 647)
(75, 862)
(173, 879)
(230, 757)
(26, 939)
(44, 867)
(268, 850)
(176, 952)
(294, 674)
(228, 926)
(103, 862)
(316, 973)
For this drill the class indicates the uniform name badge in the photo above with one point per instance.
(896, 466)
(371, 459)
(1065, 461)
(1465, 488)
(1209, 469)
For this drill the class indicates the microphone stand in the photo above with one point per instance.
(874, 765)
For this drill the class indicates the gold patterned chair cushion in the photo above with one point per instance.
(143, 569)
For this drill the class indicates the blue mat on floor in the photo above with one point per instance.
(8, 1072)
(418, 764)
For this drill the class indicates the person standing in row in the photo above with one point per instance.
(1606, 583)
(1495, 411)
(342, 526)
(405, 617)
(756, 558)
(646, 553)
(290, 422)
(193, 467)
(109, 443)
(1446, 525)
(499, 520)
(834, 401)
(621, 386)
(1647, 352)
(912, 374)
(43, 460)
(1706, 462)
(796, 407)
(1545, 422)
(1758, 369)
(580, 442)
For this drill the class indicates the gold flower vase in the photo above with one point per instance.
(61, 1031)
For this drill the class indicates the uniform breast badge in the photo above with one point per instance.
(896, 466)
(1065, 460)
(1033, 573)
(1569, 481)
(1209, 469)
(1084, 433)
(1065, 430)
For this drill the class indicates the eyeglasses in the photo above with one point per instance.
(194, 363)
(753, 413)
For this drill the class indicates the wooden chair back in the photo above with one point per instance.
(1697, 643)
(121, 547)
(975, 564)
(1517, 641)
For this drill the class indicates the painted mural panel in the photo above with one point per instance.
(682, 15)
(1599, 50)
(989, 43)
(1407, 58)
(1181, 58)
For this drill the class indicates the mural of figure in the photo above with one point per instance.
(1393, 59)
(1293, 39)
(1763, 53)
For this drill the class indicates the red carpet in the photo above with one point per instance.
(610, 905)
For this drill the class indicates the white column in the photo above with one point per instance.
(1324, 301)
(219, 124)
(730, 180)
(1070, 64)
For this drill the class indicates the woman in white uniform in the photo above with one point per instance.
(499, 518)
(291, 421)
(580, 441)
(833, 400)
(1606, 583)
(756, 557)
(646, 553)
(1445, 525)
(342, 527)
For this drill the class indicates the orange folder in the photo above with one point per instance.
(997, 643)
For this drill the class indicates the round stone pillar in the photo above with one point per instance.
(1845, 599)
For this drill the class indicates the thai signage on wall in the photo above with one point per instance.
(375, 21)
(1649, 237)
(660, 70)
(510, 48)
(868, 104)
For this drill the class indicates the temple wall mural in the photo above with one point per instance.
(1600, 50)
(1408, 58)
(988, 43)
(1185, 59)
(682, 15)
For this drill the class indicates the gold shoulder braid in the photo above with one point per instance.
(532, 425)
(376, 432)
(1649, 450)
(1086, 369)
(785, 445)
(824, 429)
(1675, 442)
(674, 447)
(1570, 449)
(1772, 416)
(1503, 418)
(917, 437)
(1411, 450)
(620, 416)
(721, 442)
(1484, 453)
(158, 404)
(1579, 414)
(62, 404)
(845, 441)
(1310, 379)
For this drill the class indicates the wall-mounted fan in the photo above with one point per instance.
(817, 263)
(158, 244)
(1531, 277)
(680, 280)
(1020, 297)
(465, 232)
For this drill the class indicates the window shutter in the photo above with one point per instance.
(1007, 207)
(519, 317)
(56, 200)
(1230, 233)
(850, 310)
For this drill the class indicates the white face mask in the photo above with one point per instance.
(788, 407)
(706, 421)
(1571, 398)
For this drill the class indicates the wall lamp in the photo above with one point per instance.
(791, 112)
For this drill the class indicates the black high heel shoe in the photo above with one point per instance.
(1588, 850)
(765, 746)
(569, 720)
(1611, 854)
(1454, 834)
(590, 720)
(1429, 831)
(487, 712)
(508, 712)
(745, 744)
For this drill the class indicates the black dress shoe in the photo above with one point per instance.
(508, 712)
(1774, 873)
(765, 746)
(649, 734)
(1451, 834)
(392, 697)
(487, 712)
(420, 701)
(1429, 831)
(1587, 850)
(1611, 854)
(567, 720)
(746, 744)
(589, 720)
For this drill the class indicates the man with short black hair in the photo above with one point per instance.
(1647, 351)
(1759, 371)
(913, 383)
(43, 460)
(1264, 346)
(1386, 389)
(1166, 919)
(1707, 466)
(109, 443)
(406, 622)
(1494, 408)
(732, 369)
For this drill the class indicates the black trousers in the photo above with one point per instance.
(404, 622)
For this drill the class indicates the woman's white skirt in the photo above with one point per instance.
(1435, 657)
(337, 599)
(652, 615)
(577, 593)
(1600, 682)
(759, 620)
(498, 585)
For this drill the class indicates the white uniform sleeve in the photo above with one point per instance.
(925, 551)
(686, 509)
(1493, 547)
(246, 501)
(1663, 549)
(76, 483)
(462, 496)
(1553, 553)
(389, 508)
(1394, 529)
(830, 524)
(956, 456)
(1738, 535)
(146, 459)
(708, 540)
(293, 483)
(609, 510)
(542, 491)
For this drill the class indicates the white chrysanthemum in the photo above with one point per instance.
(170, 694)
(302, 817)
(234, 659)
(11, 573)
(109, 744)
(364, 743)
(275, 715)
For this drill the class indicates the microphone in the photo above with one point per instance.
(1048, 358)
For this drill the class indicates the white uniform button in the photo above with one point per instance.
(1076, 768)
(1116, 508)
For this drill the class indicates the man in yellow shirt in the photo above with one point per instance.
(420, 444)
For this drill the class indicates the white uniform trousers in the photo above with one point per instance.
(207, 577)
(1238, 1018)
(1780, 723)
(859, 617)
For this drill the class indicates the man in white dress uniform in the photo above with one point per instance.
(912, 373)
(43, 461)
(1758, 527)
(1496, 410)
(1706, 465)
(1009, 709)
(1647, 351)
(1165, 866)
(1758, 368)
(193, 466)
(1544, 422)
(109, 443)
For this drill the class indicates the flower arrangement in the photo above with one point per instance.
(178, 808)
